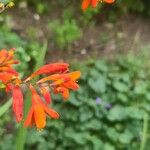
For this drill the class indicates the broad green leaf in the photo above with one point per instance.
(98, 85)
(120, 86)
(126, 137)
(85, 113)
(117, 113)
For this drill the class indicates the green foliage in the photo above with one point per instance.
(26, 52)
(66, 32)
(85, 124)
(5, 1)
(141, 6)
(42, 7)
(87, 16)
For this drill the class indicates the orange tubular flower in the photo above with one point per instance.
(46, 94)
(93, 3)
(59, 80)
(63, 82)
(50, 69)
(37, 112)
(63, 91)
(61, 77)
(7, 58)
(6, 77)
(17, 102)
(7, 73)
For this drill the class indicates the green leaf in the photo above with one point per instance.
(93, 124)
(120, 86)
(135, 112)
(98, 85)
(101, 66)
(112, 134)
(117, 113)
(126, 137)
(77, 137)
(140, 87)
(5, 107)
(96, 142)
(108, 146)
(122, 97)
(85, 113)
(75, 101)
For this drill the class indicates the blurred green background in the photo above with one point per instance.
(110, 46)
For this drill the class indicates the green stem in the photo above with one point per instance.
(5, 107)
(144, 133)
(22, 132)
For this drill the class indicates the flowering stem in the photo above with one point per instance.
(22, 132)
(144, 134)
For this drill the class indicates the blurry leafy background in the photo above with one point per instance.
(107, 113)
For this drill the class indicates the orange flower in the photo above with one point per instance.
(93, 3)
(63, 82)
(60, 81)
(6, 77)
(7, 58)
(17, 102)
(46, 94)
(61, 78)
(50, 69)
(7, 73)
(63, 91)
(37, 112)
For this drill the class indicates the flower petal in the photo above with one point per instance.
(85, 4)
(39, 116)
(75, 75)
(51, 112)
(49, 69)
(17, 102)
(28, 121)
(109, 1)
(94, 3)
(51, 77)
(3, 55)
(64, 91)
(66, 77)
(6, 77)
(13, 72)
(46, 94)
(71, 85)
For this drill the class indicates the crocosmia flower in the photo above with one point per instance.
(38, 111)
(17, 102)
(56, 79)
(7, 73)
(50, 69)
(63, 82)
(93, 3)
(46, 93)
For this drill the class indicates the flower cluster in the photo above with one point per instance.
(7, 73)
(94, 3)
(56, 79)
